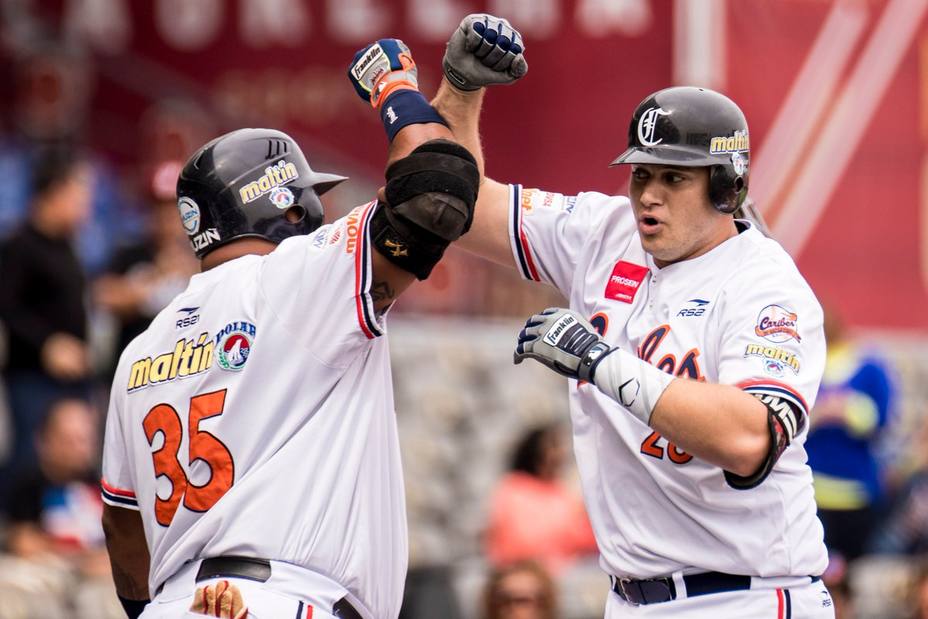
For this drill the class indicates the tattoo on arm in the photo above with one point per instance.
(382, 291)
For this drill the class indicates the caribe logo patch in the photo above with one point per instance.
(274, 176)
(777, 324)
(233, 345)
(625, 280)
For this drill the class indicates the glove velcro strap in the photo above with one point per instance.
(391, 83)
(404, 243)
(437, 166)
(587, 368)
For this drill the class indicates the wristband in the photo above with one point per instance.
(631, 382)
(407, 107)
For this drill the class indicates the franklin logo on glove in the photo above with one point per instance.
(555, 333)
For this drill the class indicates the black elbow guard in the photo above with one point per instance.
(430, 203)
(784, 421)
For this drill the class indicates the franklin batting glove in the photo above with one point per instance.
(562, 340)
(484, 50)
(381, 69)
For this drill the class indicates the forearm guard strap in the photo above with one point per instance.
(430, 203)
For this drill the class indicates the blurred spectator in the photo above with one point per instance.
(919, 594)
(145, 276)
(522, 590)
(55, 524)
(517, 530)
(905, 530)
(839, 586)
(853, 407)
(51, 89)
(42, 299)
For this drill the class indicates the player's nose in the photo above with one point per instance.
(651, 194)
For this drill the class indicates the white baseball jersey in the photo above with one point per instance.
(255, 417)
(740, 314)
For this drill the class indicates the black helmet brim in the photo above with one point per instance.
(665, 156)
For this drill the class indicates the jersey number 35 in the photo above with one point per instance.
(202, 445)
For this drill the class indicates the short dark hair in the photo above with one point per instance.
(548, 601)
(53, 410)
(528, 452)
(51, 166)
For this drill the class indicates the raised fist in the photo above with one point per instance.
(484, 50)
(382, 68)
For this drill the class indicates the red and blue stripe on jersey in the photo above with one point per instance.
(525, 262)
(362, 272)
(117, 496)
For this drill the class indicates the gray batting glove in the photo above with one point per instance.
(564, 341)
(484, 50)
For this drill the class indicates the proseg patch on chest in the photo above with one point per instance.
(625, 280)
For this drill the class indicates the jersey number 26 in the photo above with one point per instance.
(202, 445)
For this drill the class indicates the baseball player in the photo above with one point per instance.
(251, 434)
(693, 346)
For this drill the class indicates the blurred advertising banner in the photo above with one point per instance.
(835, 92)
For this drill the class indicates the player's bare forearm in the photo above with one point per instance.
(461, 110)
(128, 550)
(489, 235)
(389, 281)
(411, 136)
(720, 424)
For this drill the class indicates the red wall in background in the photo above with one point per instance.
(559, 127)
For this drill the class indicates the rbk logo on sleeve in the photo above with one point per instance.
(625, 280)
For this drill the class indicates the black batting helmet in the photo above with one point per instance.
(243, 184)
(694, 127)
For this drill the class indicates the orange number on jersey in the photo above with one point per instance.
(203, 446)
(163, 418)
(650, 447)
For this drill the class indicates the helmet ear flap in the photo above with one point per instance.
(727, 190)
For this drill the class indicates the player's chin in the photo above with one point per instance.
(653, 243)
(659, 248)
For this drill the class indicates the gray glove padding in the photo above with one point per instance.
(484, 50)
(562, 340)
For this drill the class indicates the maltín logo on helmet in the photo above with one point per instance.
(189, 214)
(274, 176)
(647, 125)
(737, 143)
(281, 197)
(233, 345)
